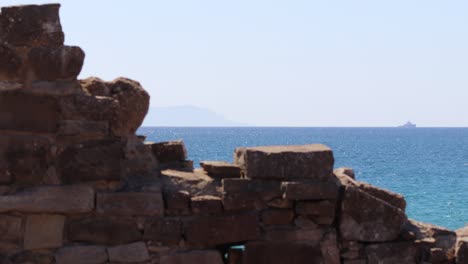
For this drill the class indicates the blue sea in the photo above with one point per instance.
(429, 166)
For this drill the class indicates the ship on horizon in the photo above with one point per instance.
(408, 125)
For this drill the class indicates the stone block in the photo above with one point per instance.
(320, 208)
(368, 219)
(11, 228)
(287, 233)
(81, 255)
(244, 194)
(130, 204)
(311, 190)
(170, 151)
(56, 63)
(56, 199)
(10, 63)
(30, 113)
(235, 256)
(196, 256)
(79, 130)
(276, 252)
(390, 253)
(461, 250)
(31, 25)
(177, 202)
(43, 231)
(277, 217)
(130, 253)
(221, 169)
(286, 162)
(133, 105)
(104, 230)
(92, 161)
(206, 205)
(166, 231)
(219, 230)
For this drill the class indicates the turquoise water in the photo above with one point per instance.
(427, 165)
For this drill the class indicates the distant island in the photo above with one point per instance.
(188, 116)
(408, 125)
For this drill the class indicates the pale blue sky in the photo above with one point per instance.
(284, 63)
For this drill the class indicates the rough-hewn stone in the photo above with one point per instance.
(170, 151)
(206, 204)
(92, 161)
(43, 231)
(197, 256)
(177, 202)
(167, 231)
(60, 199)
(221, 169)
(366, 218)
(61, 63)
(282, 252)
(391, 253)
(310, 190)
(81, 255)
(286, 162)
(31, 25)
(104, 230)
(212, 231)
(130, 203)
(130, 253)
(10, 228)
(277, 217)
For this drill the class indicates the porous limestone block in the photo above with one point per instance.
(81, 255)
(170, 151)
(50, 199)
(130, 203)
(286, 162)
(129, 253)
(43, 231)
(219, 230)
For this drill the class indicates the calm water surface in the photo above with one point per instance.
(427, 165)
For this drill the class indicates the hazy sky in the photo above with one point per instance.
(290, 63)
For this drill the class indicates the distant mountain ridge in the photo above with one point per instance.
(186, 115)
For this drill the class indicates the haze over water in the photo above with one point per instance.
(429, 166)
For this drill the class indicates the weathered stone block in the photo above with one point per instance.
(88, 108)
(169, 151)
(133, 105)
(10, 228)
(92, 161)
(288, 233)
(167, 231)
(311, 190)
(211, 231)
(461, 251)
(43, 231)
(10, 63)
(82, 130)
(31, 25)
(221, 169)
(56, 63)
(391, 253)
(41, 115)
(130, 253)
(366, 218)
(275, 252)
(81, 255)
(286, 162)
(130, 203)
(177, 202)
(206, 205)
(36, 257)
(244, 194)
(63, 199)
(321, 208)
(104, 230)
(95, 86)
(235, 256)
(197, 256)
(346, 171)
(277, 217)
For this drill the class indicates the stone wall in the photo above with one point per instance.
(78, 186)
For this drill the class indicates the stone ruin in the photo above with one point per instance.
(78, 186)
